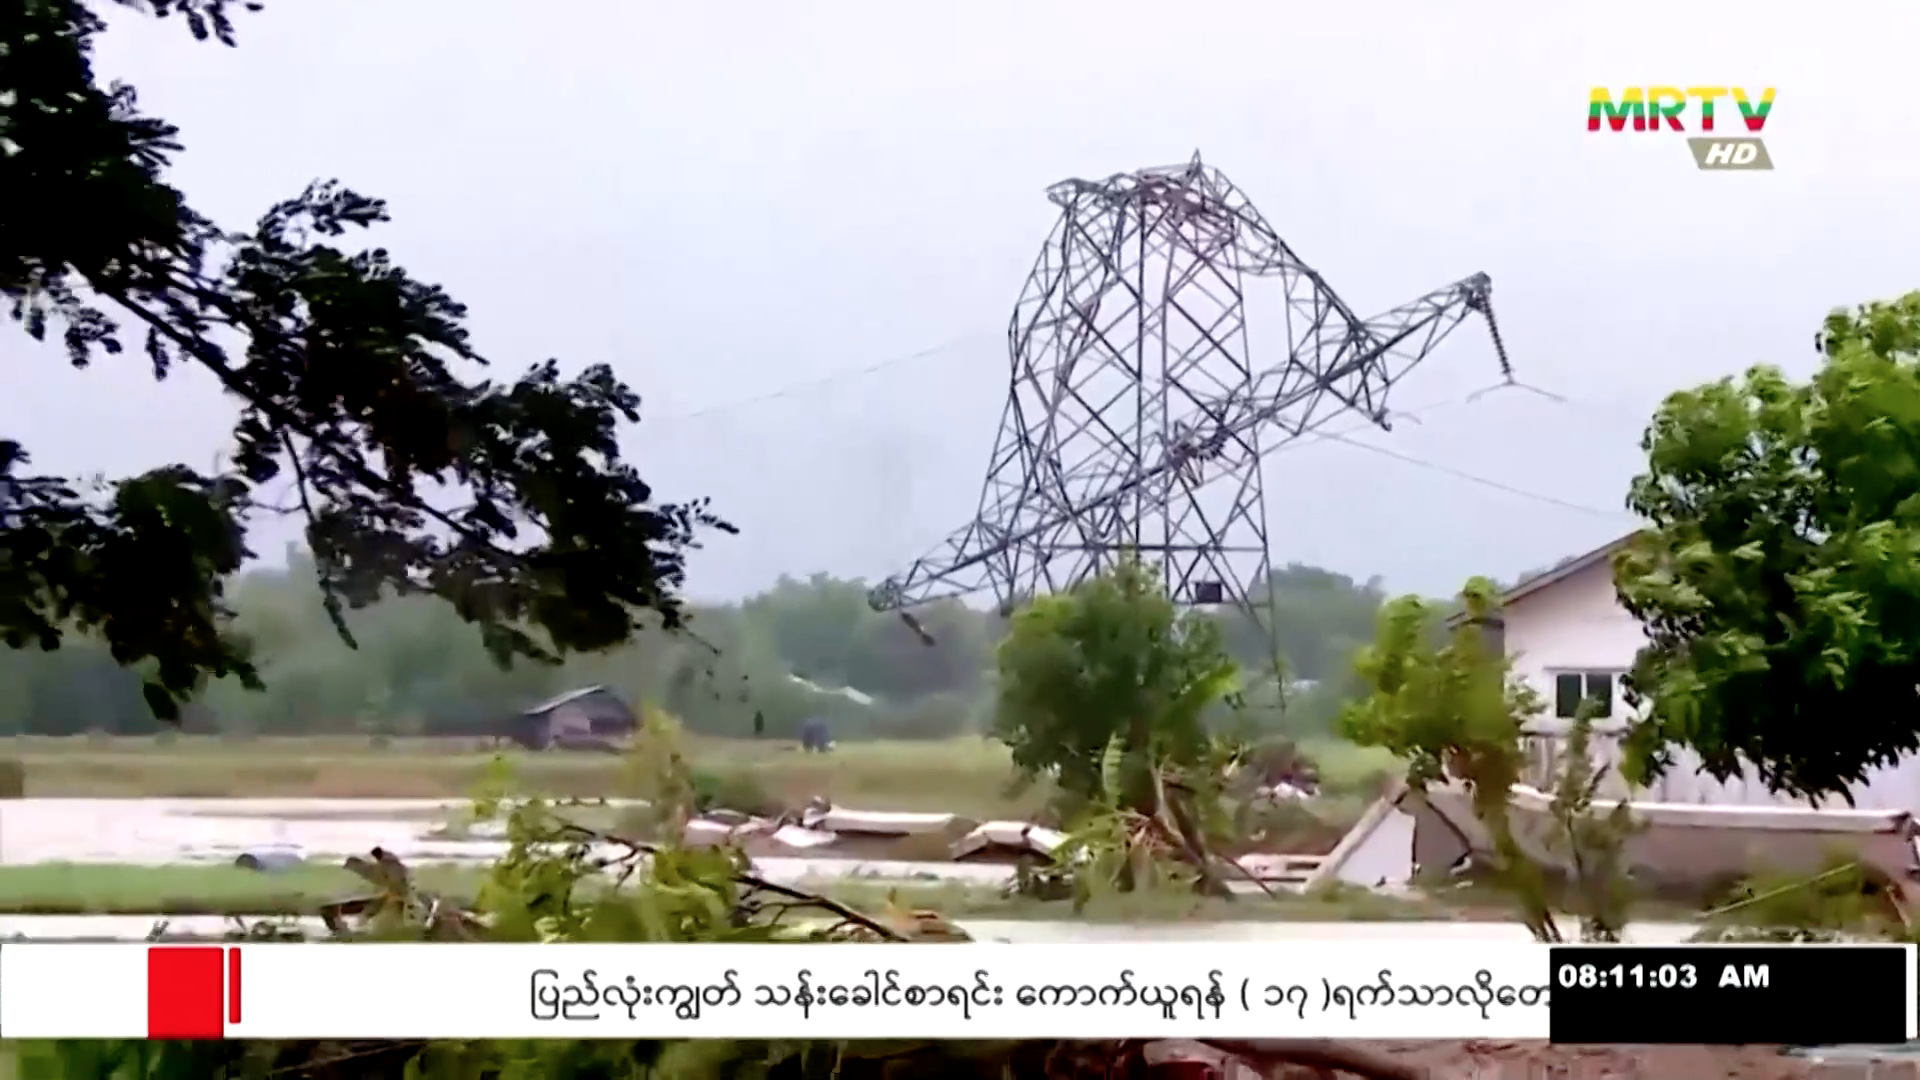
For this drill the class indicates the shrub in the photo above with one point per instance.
(734, 789)
(1844, 897)
(13, 778)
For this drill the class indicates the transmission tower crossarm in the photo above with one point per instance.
(1360, 369)
(1137, 417)
(1396, 341)
(956, 567)
(1450, 305)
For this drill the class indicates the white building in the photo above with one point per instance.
(1568, 637)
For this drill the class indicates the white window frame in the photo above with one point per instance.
(1586, 675)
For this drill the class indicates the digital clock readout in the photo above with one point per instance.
(1592, 976)
(1712, 994)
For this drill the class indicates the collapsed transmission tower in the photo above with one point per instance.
(1137, 415)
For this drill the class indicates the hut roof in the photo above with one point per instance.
(601, 708)
(555, 702)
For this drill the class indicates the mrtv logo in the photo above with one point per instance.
(1722, 124)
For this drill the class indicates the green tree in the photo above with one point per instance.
(1320, 618)
(1445, 701)
(1111, 665)
(1442, 695)
(884, 657)
(1779, 576)
(812, 623)
(348, 374)
(76, 689)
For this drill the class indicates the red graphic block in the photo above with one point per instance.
(186, 992)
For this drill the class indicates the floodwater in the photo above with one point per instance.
(159, 831)
(216, 831)
(1002, 931)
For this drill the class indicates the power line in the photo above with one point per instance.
(830, 379)
(1475, 478)
(1343, 437)
(1346, 438)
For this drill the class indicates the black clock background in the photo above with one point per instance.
(1815, 994)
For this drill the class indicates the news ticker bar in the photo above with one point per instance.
(1398, 989)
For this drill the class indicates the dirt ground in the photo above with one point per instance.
(1494, 1060)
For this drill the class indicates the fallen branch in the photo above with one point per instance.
(751, 882)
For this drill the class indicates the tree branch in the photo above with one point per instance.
(205, 356)
(753, 882)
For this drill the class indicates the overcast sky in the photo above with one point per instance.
(740, 206)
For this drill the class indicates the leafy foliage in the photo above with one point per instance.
(1449, 704)
(1843, 902)
(1779, 577)
(1447, 701)
(347, 373)
(1164, 843)
(1106, 691)
(1590, 845)
(1100, 686)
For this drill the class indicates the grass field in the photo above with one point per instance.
(74, 889)
(967, 776)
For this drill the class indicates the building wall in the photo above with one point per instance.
(1574, 624)
(1577, 624)
(569, 721)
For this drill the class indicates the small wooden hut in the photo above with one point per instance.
(590, 718)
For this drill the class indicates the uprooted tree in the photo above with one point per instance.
(1779, 575)
(347, 374)
(1104, 691)
(1441, 694)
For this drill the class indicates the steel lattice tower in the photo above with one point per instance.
(1137, 416)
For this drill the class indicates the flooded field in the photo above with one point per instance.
(216, 831)
(157, 831)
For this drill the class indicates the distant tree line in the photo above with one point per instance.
(803, 648)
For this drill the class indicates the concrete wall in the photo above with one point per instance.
(1577, 624)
